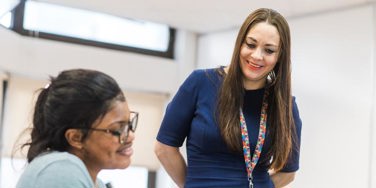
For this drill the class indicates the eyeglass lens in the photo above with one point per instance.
(131, 126)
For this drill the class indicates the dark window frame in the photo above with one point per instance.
(17, 26)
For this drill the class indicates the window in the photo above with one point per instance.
(6, 19)
(67, 24)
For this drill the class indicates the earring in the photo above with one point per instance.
(271, 77)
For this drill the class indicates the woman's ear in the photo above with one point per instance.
(74, 138)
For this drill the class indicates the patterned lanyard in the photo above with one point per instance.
(251, 163)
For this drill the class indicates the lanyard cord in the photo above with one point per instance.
(251, 163)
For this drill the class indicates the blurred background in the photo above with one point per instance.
(150, 47)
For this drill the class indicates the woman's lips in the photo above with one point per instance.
(128, 150)
(253, 66)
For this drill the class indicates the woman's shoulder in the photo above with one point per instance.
(211, 71)
(211, 74)
(48, 158)
(55, 167)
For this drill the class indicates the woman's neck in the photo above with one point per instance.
(93, 171)
(253, 85)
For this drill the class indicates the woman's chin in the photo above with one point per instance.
(125, 164)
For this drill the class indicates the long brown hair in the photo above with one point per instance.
(230, 98)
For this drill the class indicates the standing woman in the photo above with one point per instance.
(81, 125)
(241, 121)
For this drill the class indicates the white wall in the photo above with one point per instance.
(373, 110)
(215, 49)
(333, 80)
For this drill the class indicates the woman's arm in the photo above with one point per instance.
(281, 179)
(172, 161)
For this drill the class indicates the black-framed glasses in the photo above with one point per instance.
(123, 132)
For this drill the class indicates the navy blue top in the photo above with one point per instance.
(190, 115)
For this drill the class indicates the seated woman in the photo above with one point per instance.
(81, 125)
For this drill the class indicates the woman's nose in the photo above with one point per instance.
(257, 54)
(131, 136)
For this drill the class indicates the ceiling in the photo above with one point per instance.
(204, 16)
